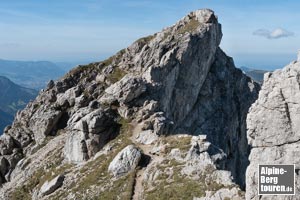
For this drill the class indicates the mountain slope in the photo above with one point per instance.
(30, 74)
(164, 118)
(13, 98)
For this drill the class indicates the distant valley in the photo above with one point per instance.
(256, 74)
(32, 74)
(13, 98)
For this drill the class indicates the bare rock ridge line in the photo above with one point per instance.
(171, 105)
(274, 126)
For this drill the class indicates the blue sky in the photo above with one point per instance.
(256, 33)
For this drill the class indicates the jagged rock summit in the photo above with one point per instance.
(274, 126)
(173, 102)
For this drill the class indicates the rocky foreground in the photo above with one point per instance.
(164, 118)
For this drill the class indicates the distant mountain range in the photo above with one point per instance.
(13, 98)
(32, 74)
(256, 74)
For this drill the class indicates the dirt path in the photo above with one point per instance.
(138, 187)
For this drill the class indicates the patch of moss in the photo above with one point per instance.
(81, 69)
(179, 186)
(121, 52)
(115, 58)
(146, 39)
(108, 61)
(53, 172)
(182, 143)
(25, 191)
(166, 35)
(122, 187)
(21, 193)
(191, 26)
(116, 75)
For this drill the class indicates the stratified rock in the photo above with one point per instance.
(125, 161)
(88, 134)
(49, 187)
(274, 126)
(125, 90)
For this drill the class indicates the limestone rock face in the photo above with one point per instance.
(125, 161)
(125, 90)
(274, 126)
(89, 134)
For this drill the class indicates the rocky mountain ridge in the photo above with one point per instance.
(164, 118)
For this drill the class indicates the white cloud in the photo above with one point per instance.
(275, 34)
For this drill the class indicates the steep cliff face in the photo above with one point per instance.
(169, 109)
(274, 126)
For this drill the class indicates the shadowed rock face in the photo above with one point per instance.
(175, 82)
(274, 126)
(220, 113)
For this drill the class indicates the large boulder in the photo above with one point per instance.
(125, 161)
(49, 187)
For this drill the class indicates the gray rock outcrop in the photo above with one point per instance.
(201, 156)
(49, 187)
(124, 91)
(88, 134)
(125, 161)
(274, 126)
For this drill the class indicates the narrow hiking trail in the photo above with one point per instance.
(153, 158)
